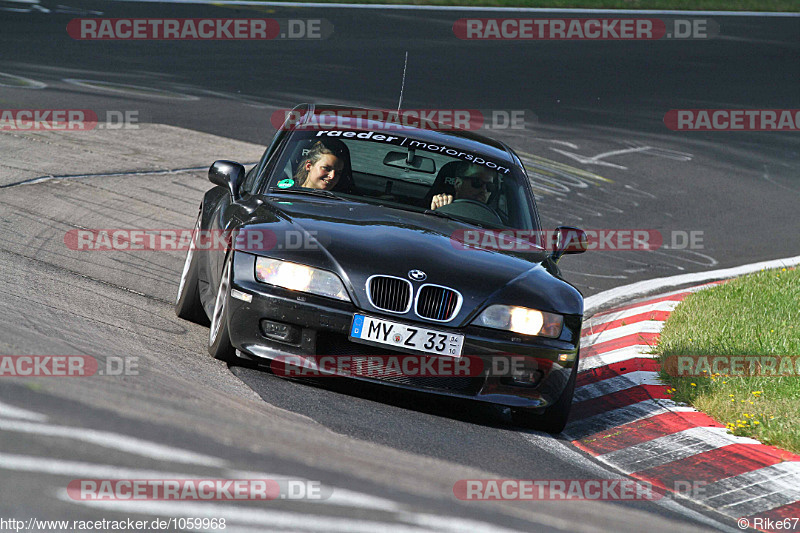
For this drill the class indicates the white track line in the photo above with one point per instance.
(115, 441)
(597, 470)
(617, 356)
(618, 417)
(453, 524)
(296, 521)
(616, 384)
(344, 497)
(9, 411)
(647, 301)
(648, 326)
(671, 448)
(595, 303)
(755, 492)
(644, 308)
(267, 519)
(58, 467)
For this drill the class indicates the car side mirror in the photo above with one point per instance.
(569, 240)
(227, 174)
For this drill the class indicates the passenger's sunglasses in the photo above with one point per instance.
(478, 183)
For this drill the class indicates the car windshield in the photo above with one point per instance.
(400, 172)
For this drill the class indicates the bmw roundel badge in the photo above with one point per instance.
(417, 275)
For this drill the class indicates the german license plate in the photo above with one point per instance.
(379, 331)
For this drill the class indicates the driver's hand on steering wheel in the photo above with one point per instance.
(441, 199)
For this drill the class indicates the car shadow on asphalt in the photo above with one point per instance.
(338, 389)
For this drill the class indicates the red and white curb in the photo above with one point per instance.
(624, 417)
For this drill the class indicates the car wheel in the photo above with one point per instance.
(554, 418)
(219, 341)
(187, 304)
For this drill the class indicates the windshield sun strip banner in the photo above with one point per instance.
(415, 144)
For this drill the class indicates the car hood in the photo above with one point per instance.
(358, 240)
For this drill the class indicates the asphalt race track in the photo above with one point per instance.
(594, 143)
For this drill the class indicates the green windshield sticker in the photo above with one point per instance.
(285, 184)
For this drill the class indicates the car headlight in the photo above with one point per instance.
(300, 278)
(521, 320)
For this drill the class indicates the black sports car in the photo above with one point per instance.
(415, 254)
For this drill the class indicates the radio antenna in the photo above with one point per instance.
(403, 86)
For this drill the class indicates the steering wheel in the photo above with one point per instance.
(486, 207)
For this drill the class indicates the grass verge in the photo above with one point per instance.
(756, 315)
(683, 5)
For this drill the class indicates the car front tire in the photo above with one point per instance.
(187, 304)
(219, 341)
(555, 417)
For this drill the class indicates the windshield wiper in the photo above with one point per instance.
(313, 192)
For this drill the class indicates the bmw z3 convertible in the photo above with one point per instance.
(412, 258)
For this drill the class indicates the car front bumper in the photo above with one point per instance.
(320, 326)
